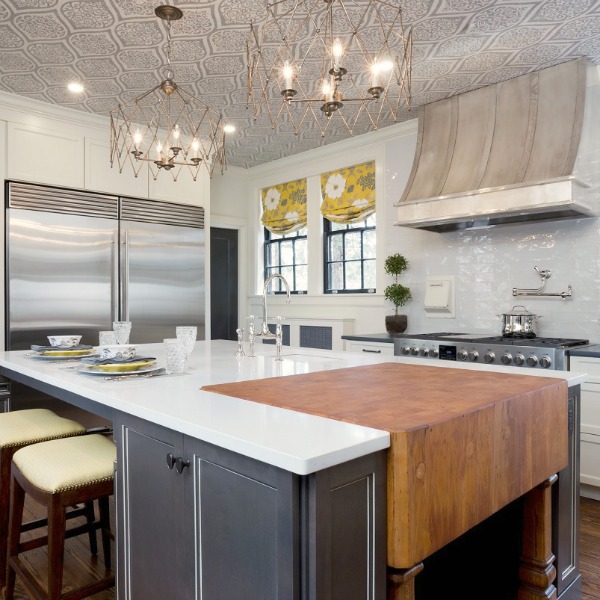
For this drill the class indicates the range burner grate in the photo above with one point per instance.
(520, 335)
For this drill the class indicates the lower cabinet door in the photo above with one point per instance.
(151, 525)
(245, 517)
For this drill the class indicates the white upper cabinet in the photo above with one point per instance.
(101, 177)
(183, 191)
(45, 156)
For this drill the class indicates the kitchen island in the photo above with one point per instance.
(194, 464)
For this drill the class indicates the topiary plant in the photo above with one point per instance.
(396, 293)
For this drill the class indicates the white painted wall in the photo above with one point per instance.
(486, 263)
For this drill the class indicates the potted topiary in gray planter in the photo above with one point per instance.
(396, 293)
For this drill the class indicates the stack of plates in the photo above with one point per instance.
(61, 352)
(117, 366)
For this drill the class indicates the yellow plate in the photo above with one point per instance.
(66, 352)
(123, 367)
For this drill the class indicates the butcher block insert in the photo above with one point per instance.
(464, 443)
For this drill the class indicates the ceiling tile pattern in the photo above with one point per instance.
(116, 48)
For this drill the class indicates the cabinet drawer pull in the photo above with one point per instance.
(372, 351)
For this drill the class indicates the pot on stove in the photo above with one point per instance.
(518, 323)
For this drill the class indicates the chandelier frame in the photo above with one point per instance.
(308, 32)
(166, 127)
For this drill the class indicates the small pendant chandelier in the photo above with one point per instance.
(166, 127)
(316, 60)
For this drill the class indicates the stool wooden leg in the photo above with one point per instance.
(90, 518)
(4, 509)
(105, 529)
(56, 543)
(17, 500)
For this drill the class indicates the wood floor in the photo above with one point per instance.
(80, 567)
(589, 548)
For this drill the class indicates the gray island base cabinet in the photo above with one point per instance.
(199, 522)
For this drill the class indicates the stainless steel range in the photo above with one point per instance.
(532, 353)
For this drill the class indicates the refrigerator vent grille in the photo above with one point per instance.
(166, 213)
(48, 199)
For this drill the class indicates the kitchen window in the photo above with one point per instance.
(350, 259)
(287, 254)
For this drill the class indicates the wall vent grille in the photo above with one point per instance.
(312, 336)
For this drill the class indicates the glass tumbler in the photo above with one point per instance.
(106, 338)
(174, 356)
(187, 334)
(122, 330)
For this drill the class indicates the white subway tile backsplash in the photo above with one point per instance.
(488, 264)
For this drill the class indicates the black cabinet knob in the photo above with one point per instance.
(181, 464)
(171, 460)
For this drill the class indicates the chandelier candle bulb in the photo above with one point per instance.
(338, 52)
(288, 73)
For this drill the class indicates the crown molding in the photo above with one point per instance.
(28, 107)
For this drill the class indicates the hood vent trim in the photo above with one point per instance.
(519, 151)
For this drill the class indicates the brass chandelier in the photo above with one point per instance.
(316, 60)
(166, 127)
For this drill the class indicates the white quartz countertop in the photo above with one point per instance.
(291, 440)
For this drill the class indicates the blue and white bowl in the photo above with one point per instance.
(121, 351)
(64, 341)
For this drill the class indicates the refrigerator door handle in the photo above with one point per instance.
(125, 279)
(115, 277)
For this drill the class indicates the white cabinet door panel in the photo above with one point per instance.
(45, 156)
(183, 191)
(590, 409)
(590, 459)
(101, 177)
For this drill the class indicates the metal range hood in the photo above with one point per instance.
(523, 150)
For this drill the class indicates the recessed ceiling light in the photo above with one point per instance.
(229, 128)
(75, 87)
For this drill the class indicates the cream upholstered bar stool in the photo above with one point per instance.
(19, 429)
(58, 474)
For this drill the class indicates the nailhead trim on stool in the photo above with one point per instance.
(59, 474)
(18, 429)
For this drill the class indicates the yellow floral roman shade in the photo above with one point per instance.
(349, 194)
(284, 207)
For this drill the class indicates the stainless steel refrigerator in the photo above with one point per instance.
(77, 261)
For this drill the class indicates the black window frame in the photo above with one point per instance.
(269, 269)
(327, 235)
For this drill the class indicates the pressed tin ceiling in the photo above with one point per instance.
(116, 48)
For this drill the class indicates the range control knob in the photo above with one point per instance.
(473, 355)
(423, 351)
(462, 355)
(434, 352)
(546, 362)
(532, 360)
(405, 350)
(519, 359)
(489, 357)
(414, 350)
(506, 359)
